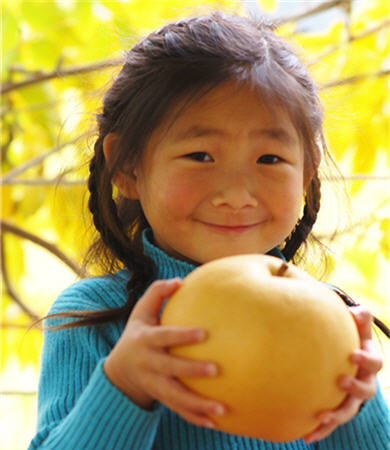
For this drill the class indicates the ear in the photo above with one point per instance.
(124, 180)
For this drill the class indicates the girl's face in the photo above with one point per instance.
(226, 178)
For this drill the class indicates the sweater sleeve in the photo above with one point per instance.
(78, 407)
(368, 430)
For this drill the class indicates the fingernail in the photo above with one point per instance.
(356, 358)
(326, 420)
(212, 369)
(200, 335)
(219, 410)
(346, 382)
(209, 424)
(171, 280)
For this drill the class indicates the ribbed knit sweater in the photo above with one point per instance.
(80, 409)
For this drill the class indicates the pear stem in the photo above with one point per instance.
(282, 269)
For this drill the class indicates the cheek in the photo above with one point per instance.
(182, 195)
(286, 197)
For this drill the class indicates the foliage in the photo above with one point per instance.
(59, 56)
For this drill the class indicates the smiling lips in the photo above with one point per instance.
(231, 229)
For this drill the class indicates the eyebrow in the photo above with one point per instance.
(196, 131)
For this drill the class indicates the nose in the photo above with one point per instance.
(235, 193)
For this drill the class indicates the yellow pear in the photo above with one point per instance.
(280, 339)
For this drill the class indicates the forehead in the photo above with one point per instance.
(230, 107)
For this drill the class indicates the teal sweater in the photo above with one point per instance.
(80, 409)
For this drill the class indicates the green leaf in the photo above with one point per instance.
(42, 17)
(10, 31)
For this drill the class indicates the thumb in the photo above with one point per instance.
(363, 320)
(148, 306)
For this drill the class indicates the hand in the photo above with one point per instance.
(360, 388)
(142, 368)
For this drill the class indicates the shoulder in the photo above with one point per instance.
(94, 293)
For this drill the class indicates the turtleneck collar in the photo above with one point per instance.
(168, 267)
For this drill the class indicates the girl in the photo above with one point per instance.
(212, 134)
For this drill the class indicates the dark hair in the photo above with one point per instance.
(183, 61)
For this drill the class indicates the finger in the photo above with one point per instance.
(321, 432)
(363, 320)
(181, 367)
(199, 420)
(368, 359)
(171, 336)
(343, 413)
(187, 403)
(330, 420)
(363, 389)
(149, 305)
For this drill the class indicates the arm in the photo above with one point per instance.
(94, 378)
(78, 406)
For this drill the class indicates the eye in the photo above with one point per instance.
(269, 159)
(199, 156)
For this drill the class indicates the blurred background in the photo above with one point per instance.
(58, 57)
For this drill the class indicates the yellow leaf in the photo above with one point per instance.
(385, 240)
(7, 203)
(366, 261)
(268, 5)
(14, 256)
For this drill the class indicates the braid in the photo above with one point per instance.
(104, 211)
(305, 224)
(112, 231)
(92, 187)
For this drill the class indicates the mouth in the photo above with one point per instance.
(235, 229)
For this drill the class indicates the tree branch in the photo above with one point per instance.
(310, 12)
(37, 160)
(9, 288)
(8, 227)
(254, 10)
(17, 326)
(360, 177)
(39, 76)
(58, 181)
(355, 79)
(352, 38)
(373, 30)
(33, 393)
